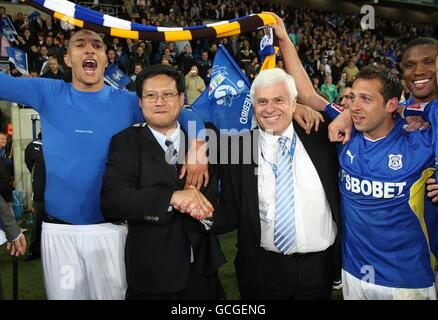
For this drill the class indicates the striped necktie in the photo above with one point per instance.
(170, 153)
(284, 229)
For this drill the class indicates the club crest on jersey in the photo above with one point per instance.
(395, 161)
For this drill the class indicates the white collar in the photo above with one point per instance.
(268, 143)
(161, 138)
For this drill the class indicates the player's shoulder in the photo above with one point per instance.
(50, 85)
(122, 94)
(135, 129)
(135, 126)
(128, 135)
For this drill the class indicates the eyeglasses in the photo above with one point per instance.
(262, 102)
(167, 96)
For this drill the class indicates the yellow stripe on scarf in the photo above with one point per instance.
(270, 61)
(73, 21)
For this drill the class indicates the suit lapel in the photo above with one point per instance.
(183, 148)
(151, 146)
(308, 141)
(250, 184)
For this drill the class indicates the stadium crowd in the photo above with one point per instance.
(334, 52)
(332, 46)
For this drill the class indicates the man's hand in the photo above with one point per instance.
(196, 165)
(307, 118)
(192, 202)
(340, 129)
(278, 28)
(432, 190)
(17, 247)
(416, 123)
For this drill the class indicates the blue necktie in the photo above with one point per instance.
(284, 230)
(171, 153)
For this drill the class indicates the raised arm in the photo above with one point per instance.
(306, 93)
(23, 90)
(426, 110)
(196, 160)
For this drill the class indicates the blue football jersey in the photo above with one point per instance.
(429, 111)
(389, 234)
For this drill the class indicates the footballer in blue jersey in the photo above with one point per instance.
(387, 236)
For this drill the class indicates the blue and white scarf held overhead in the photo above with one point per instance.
(102, 23)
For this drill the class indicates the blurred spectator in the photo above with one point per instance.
(292, 35)
(185, 60)
(341, 84)
(54, 71)
(52, 47)
(212, 51)
(195, 85)
(320, 73)
(43, 59)
(280, 64)
(41, 39)
(169, 56)
(6, 169)
(346, 97)
(245, 57)
(121, 54)
(114, 59)
(33, 157)
(180, 46)
(203, 64)
(50, 27)
(139, 57)
(253, 69)
(351, 69)
(138, 68)
(329, 89)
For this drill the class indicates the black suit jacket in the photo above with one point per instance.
(240, 202)
(137, 186)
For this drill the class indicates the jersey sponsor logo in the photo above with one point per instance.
(376, 189)
(348, 153)
(417, 106)
(337, 107)
(395, 161)
(83, 131)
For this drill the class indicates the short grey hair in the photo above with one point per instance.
(271, 77)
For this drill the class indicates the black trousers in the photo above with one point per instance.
(295, 277)
(35, 241)
(199, 287)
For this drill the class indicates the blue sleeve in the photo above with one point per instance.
(192, 125)
(333, 110)
(427, 110)
(26, 91)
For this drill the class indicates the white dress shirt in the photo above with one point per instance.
(315, 228)
(161, 138)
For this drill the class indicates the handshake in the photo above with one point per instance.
(192, 202)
